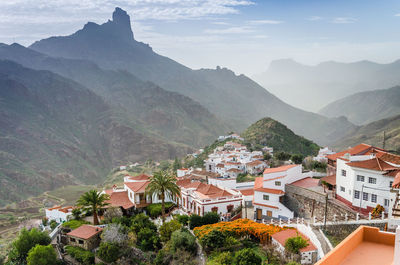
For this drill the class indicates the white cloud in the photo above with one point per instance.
(344, 20)
(231, 30)
(397, 15)
(264, 22)
(314, 18)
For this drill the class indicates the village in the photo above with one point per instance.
(360, 188)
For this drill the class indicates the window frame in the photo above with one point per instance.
(266, 196)
(365, 196)
(356, 194)
(361, 178)
(374, 198)
(371, 180)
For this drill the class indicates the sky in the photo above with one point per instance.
(243, 35)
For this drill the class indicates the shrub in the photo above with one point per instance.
(247, 256)
(53, 224)
(42, 255)
(115, 234)
(148, 240)
(293, 263)
(141, 221)
(154, 210)
(124, 220)
(214, 239)
(109, 252)
(168, 228)
(76, 213)
(182, 218)
(297, 158)
(183, 239)
(25, 242)
(83, 256)
(211, 218)
(45, 221)
(223, 258)
(195, 221)
(74, 224)
(163, 258)
(294, 244)
(231, 241)
(112, 212)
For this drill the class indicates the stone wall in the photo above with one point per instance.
(307, 203)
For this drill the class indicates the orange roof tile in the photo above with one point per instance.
(265, 205)
(258, 186)
(137, 186)
(356, 150)
(183, 182)
(331, 179)
(373, 164)
(120, 199)
(278, 169)
(234, 170)
(85, 231)
(284, 235)
(254, 163)
(396, 182)
(306, 183)
(247, 192)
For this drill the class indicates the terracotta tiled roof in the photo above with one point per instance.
(247, 192)
(282, 236)
(396, 182)
(254, 163)
(258, 186)
(64, 209)
(140, 177)
(220, 165)
(183, 182)
(372, 164)
(388, 157)
(137, 186)
(356, 150)
(265, 205)
(211, 191)
(306, 183)
(278, 169)
(85, 231)
(120, 199)
(234, 170)
(331, 179)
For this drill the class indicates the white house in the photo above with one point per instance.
(255, 167)
(270, 189)
(323, 152)
(364, 181)
(308, 254)
(183, 172)
(58, 213)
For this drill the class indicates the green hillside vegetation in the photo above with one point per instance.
(269, 132)
(372, 134)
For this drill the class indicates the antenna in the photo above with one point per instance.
(384, 140)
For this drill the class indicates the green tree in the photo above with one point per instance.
(141, 221)
(162, 184)
(247, 256)
(224, 258)
(294, 244)
(53, 224)
(184, 240)
(267, 156)
(76, 213)
(214, 239)
(211, 218)
(195, 221)
(283, 156)
(168, 228)
(42, 255)
(182, 218)
(148, 240)
(93, 200)
(109, 252)
(25, 242)
(297, 159)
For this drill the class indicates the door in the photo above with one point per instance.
(269, 213)
(259, 214)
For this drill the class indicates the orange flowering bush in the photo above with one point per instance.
(241, 228)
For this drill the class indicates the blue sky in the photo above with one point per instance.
(244, 35)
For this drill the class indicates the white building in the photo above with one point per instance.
(364, 181)
(183, 172)
(58, 213)
(270, 189)
(308, 254)
(323, 152)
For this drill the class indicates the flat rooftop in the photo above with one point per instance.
(365, 246)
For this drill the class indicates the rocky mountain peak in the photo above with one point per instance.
(123, 21)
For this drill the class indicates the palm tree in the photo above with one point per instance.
(163, 184)
(94, 200)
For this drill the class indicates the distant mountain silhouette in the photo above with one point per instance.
(366, 107)
(236, 100)
(313, 87)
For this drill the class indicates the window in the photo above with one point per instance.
(373, 197)
(360, 178)
(386, 202)
(266, 197)
(342, 189)
(214, 209)
(277, 183)
(356, 194)
(343, 173)
(390, 184)
(81, 242)
(372, 180)
(72, 239)
(365, 196)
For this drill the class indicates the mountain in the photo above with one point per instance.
(55, 132)
(169, 114)
(274, 134)
(313, 87)
(372, 134)
(236, 100)
(366, 107)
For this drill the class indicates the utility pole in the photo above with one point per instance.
(326, 210)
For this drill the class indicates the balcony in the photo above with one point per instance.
(142, 203)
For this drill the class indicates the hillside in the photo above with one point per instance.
(313, 87)
(169, 114)
(236, 100)
(372, 133)
(274, 134)
(55, 132)
(366, 107)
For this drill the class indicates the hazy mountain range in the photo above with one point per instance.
(313, 87)
(73, 107)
